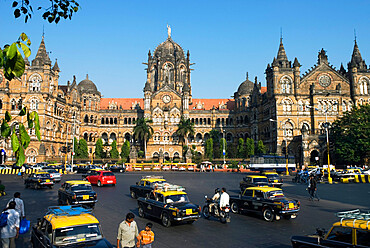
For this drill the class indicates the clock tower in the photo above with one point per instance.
(167, 95)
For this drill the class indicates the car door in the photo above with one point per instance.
(158, 205)
(43, 240)
(93, 178)
(258, 199)
(339, 237)
(247, 200)
(149, 203)
(141, 188)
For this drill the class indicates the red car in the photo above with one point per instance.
(101, 178)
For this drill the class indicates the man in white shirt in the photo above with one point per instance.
(19, 205)
(215, 199)
(224, 199)
(127, 232)
(10, 232)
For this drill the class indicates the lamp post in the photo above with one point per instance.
(223, 145)
(326, 125)
(73, 139)
(286, 146)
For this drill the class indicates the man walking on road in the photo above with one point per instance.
(312, 188)
(10, 232)
(19, 205)
(128, 232)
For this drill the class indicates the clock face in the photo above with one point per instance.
(166, 99)
(324, 81)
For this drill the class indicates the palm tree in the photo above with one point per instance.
(184, 128)
(143, 131)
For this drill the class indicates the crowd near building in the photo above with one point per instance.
(291, 111)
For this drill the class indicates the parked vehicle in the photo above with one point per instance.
(268, 201)
(38, 180)
(351, 231)
(77, 192)
(101, 177)
(215, 211)
(68, 226)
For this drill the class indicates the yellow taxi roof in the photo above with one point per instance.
(154, 179)
(270, 173)
(78, 182)
(98, 169)
(252, 176)
(265, 189)
(41, 172)
(69, 221)
(171, 192)
(358, 224)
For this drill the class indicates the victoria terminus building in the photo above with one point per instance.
(289, 112)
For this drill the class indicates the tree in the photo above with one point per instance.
(82, 151)
(209, 149)
(215, 135)
(184, 128)
(53, 12)
(249, 147)
(143, 131)
(351, 136)
(241, 148)
(223, 146)
(261, 149)
(125, 151)
(99, 152)
(114, 152)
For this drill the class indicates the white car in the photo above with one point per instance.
(54, 174)
(36, 167)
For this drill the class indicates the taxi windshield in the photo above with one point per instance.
(75, 234)
(177, 198)
(275, 194)
(43, 176)
(272, 176)
(81, 187)
(260, 180)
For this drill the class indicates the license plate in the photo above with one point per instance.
(275, 181)
(291, 205)
(85, 197)
(47, 180)
(109, 181)
(189, 211)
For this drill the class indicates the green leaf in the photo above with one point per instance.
(17, 13)
(37, 125)
(26, 50)
(8, 117)
(15, 3)
(21, 158)
(19, 65)
(12, 51)
(5, 129)
(37, 131)
(23, 111)
(15, 141)
(25, 138)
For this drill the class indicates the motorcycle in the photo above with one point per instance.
(222, 214)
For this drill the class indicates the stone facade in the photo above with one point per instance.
(290, 111)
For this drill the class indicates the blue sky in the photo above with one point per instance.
(110, 39)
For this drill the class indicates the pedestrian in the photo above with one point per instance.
(127, 232)
(19, 205)
(312, 188)
(147, 236)
(11, 231)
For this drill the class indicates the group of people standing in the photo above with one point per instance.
(15, 212)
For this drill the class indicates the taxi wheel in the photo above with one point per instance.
(133, 194)
(166, 220)
(235, 208)
(141, 211)
(99, 184)
(268, 215)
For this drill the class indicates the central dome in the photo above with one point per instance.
(87, 86)
(169, 48)
(245, 88)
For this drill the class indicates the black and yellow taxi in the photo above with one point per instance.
(169, 203)
(253, 181)
(39, 179)
(273, 178)
(353, 230)
(145, 186)
(268, 201)
(68, 226)
(77, 192)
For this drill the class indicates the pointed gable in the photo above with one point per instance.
(42, 57)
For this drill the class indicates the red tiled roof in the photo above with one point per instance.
(208, 104)
(263, 90)
(122, 103)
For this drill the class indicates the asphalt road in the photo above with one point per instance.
(243, 230)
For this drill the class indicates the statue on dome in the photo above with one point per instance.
(169, 31)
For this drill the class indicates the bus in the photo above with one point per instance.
(271, 162)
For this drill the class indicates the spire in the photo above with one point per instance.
(342, 70)
(356, 60)
(281, 56)
(296, 63)
(56, 67)
(322, 57)
(247, 76)
(147, 86)
(42, 56)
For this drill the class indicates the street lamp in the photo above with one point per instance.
(286, 146)
(223, 145)
(326, 125)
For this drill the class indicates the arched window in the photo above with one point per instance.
(198, 137)
(35, 83)
(229, 137)
(91, 119)
(364, 86)
(20, 104)
(287, 105)
(13, 103)
(102, 120)
(286, 85)
(115, 120)
(86, 136)
(86, 119)
(104, 137)
(34, 104)
(84, 102)
(300, 106)
(113, 137)
(111, 121)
